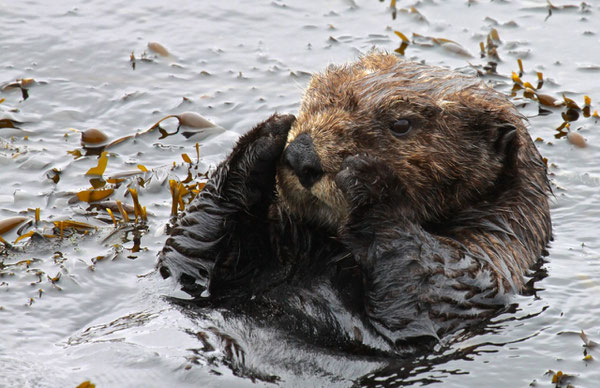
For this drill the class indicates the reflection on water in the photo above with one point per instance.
(79, 298)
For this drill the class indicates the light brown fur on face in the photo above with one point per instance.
(446, 161)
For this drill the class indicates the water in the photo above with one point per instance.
(105, 318)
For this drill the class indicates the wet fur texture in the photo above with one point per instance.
(404, 238)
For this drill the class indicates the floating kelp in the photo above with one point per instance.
(176, 194)
(112, 216)
(198, 124)
(562, 130)
(158, 48)
(516, 78)
(94, 195)
(97, 183)
(24, 236)
(415, 13)
(139, 211)
(199, 187)
(54, 279)
(61, 226)
(54, 175)
(529, 92)
(405, 42)
(122, 211)
(112, 205)
(559, 378)
(26, 263)
(576, 139)
(120, 140)
(186, 158)
(58, 228)
(557, 8)
(8, 224)
(9, 123)
(570, 103)
(194, 120)
(586, 341)
(571, 113)
(447, 44)
(115, 181)
(393, 9)
(547, 100)
(93, 138)
(429, 41)
(23, 84)
(99, 169)
(540, 77)
(76, 153)
(587, 102)
(118, 177)
(520, 63)
(490, 48)
(188, 178)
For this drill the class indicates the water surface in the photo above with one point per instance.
(89, 306)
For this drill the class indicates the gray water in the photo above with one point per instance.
(105, 319)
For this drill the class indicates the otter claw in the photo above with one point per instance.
(351, 180)
(357, 162)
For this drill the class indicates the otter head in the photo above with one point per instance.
(449, 138)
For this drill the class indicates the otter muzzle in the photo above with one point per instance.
(301, 157)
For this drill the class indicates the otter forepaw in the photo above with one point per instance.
(365, 180)
(252, 162)
(263, 143)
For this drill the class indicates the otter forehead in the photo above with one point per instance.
(380, 86)
(380, 79)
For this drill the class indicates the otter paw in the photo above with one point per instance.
(263, 143)
(252, 161)
(273, 135)
(366, 180)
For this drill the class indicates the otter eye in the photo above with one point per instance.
(401, 127)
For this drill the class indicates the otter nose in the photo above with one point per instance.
(300, 155)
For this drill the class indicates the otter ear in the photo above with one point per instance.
(506, 138)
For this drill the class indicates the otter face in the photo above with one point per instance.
(311, 159)
(445, 135)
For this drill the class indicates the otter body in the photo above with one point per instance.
(404, 202)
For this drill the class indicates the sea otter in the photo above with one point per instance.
(404, 200)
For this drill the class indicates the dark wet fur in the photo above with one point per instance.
(397, 275)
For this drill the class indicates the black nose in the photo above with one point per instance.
(300, 155)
